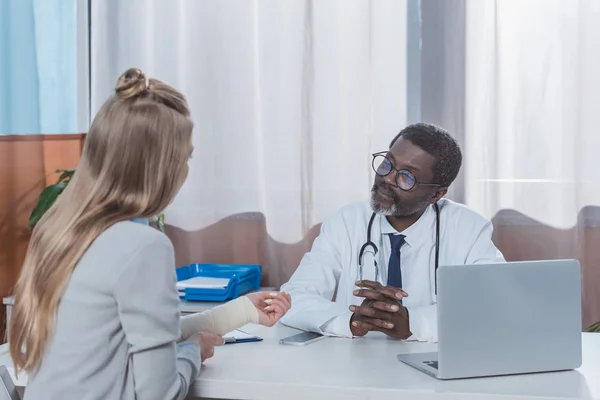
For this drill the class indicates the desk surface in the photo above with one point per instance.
(367, 369)
(185, 306)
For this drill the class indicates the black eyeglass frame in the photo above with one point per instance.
(399, 172)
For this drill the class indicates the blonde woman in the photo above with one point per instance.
(96, 312)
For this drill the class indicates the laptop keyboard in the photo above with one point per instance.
(432, 364)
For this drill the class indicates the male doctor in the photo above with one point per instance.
(390, 286)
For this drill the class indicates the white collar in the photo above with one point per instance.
(417, 233)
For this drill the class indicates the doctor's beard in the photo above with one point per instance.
(399, 207)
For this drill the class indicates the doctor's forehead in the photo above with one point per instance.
(405, 154)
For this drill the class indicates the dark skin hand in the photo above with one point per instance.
(380, 311)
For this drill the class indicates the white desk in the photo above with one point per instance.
(8, 304)
(185, 307)
(367, 369)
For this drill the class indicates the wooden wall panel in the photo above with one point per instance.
(27, 165)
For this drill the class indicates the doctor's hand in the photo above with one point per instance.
(380, 311)
(271, 306)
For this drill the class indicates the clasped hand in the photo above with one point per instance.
(380, 311)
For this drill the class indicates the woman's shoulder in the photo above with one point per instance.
(126, 240)
(124, 248)
(134, 234)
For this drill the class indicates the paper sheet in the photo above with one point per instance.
(237, 335)
(201, 282)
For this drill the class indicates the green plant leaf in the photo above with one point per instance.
(45, 201)
(66, 174)
(160, 221)
(594, 328)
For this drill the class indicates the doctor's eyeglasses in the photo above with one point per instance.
(405, 180)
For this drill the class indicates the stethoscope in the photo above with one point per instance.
(369, 244)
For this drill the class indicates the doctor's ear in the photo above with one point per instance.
(438, 194)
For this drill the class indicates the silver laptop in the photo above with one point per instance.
(505, 318)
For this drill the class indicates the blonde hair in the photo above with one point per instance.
(133, 164)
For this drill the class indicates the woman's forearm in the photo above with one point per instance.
(221, 319)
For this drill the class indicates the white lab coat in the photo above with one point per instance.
(330, 270)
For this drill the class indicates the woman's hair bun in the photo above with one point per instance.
(131, 84)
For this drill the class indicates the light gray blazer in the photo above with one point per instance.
(117, 325)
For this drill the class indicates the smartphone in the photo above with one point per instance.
(302, 339)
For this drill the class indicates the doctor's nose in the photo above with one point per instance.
(390, 178)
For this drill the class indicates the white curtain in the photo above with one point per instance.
(532, 107)
(289, 98)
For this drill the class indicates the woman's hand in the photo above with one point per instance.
(271, 306)
(207, 342)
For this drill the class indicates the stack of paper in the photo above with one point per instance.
(201, 282)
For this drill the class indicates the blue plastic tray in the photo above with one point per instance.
(242, 279)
